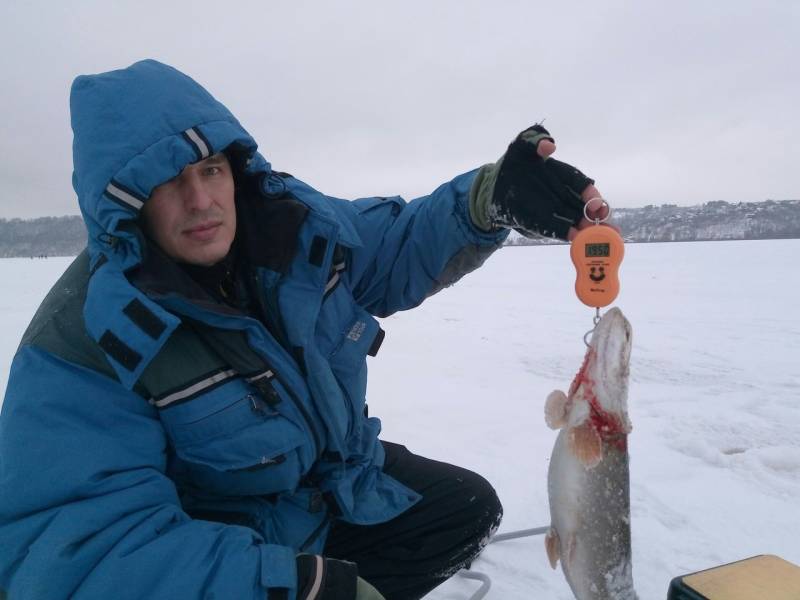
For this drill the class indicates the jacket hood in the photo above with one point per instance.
(135, 129)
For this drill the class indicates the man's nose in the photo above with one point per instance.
(195, 195)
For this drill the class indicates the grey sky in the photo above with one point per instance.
(679, 102)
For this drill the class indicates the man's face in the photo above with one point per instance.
(193, 216)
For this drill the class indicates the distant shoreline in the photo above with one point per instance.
(714, 221)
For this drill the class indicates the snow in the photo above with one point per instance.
(714, 397)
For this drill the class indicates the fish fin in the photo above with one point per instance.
(586, 445)
(555, 409)
(552, 545)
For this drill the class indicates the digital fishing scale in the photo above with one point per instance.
(597, 253)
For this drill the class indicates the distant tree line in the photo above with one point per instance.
(717, 220)
(46, 236)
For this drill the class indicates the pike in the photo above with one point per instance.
(588, 480)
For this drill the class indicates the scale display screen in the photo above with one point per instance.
(598, 250)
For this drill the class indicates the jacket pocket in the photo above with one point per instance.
(233, 442)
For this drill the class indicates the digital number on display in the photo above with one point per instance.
(598, 250)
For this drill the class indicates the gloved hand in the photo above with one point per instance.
(320, 578)
(364, 591)
(527, 190)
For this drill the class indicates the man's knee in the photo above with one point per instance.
(481, 498)
(460, 499)
(477, 514)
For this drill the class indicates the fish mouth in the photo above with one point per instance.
(613, 333)
(611, 344)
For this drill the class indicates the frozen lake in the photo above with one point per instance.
(714, 398)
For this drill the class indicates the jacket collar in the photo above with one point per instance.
(123, 310)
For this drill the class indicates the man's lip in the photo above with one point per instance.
(203, 227)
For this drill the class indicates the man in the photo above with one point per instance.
(185, 416)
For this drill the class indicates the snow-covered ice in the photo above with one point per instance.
(714, 397)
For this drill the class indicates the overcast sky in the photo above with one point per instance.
(661, 102)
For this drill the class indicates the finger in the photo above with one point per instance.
(545, 148)
(596, 209)
(571, 234)
(590, 192)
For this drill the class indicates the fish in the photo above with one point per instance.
(588, 478)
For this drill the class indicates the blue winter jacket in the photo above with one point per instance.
(211, 487)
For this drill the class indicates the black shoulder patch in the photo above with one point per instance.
(317, 253)
(119, 351)
(144, 318)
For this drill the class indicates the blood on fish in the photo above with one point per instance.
(608, 425)
(583, 374)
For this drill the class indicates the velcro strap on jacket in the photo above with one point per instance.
(376, 343)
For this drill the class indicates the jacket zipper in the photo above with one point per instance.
(273, 316)
(302, 410)
(271, 312)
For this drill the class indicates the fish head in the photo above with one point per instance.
(608, 363)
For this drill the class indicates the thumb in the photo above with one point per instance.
(545, 148)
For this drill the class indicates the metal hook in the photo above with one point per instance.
(595, 321)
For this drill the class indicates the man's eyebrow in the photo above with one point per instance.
(216, 159)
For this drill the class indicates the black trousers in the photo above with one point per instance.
(407, 557)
